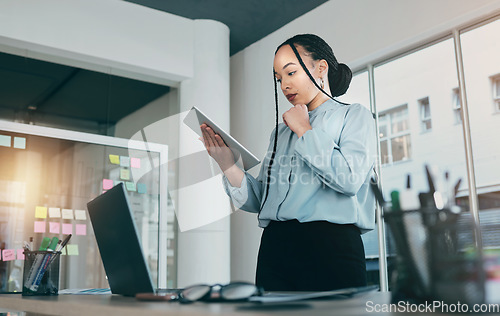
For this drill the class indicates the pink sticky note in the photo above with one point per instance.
(81, 229)
(20, 254)
(107, 184)
(39, 227)
(8, 254)
(54, 228)
(135, 162)
(67, 229)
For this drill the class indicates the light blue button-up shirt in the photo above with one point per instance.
(324, 175)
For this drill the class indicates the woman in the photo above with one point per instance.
(312, 195)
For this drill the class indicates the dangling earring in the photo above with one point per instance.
(322, 83)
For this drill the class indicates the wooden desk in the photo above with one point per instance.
(107, 305)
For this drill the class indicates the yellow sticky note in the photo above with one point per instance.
(124, 174)
(114, 159)
(72, 249)
(63, 251)
(41, 212)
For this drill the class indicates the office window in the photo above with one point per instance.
(394, 131)
(456, 105)
(359, 91)
(482, 80)
(496, 92)
(425, 114)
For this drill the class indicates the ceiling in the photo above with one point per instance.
(47, 89)
(32, 89)
(248, 20)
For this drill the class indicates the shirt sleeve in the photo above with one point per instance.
(248, 196)
(345, 166)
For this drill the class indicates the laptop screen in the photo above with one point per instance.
(118, 243)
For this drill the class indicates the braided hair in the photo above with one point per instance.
(339, 78)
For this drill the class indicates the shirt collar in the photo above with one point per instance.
(325, 106)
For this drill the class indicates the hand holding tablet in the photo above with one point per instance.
(242, 156)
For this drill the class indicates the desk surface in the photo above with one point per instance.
(106, 305)
(109, 305)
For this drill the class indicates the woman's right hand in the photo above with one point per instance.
(217, 148)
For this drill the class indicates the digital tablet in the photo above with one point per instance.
(243, 157)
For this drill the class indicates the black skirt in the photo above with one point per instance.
(312, 256)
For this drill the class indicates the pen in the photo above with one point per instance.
(45, 263)
(437, 197)
(31, 244)
(65, 241)
(378, 194)
(36, 263)
(58, 249)
(457, 186)
(432, 189)
(26, 245)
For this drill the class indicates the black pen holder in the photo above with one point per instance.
(41, 273)
(436, 258)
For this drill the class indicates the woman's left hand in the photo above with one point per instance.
(297, 119)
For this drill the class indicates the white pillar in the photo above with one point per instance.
(203, 251)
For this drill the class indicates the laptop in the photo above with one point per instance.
(119, 244)
(243, 157)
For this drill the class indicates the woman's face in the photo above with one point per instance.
(295, 83)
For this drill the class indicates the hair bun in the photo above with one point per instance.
(340, 80)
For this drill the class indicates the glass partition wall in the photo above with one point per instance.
(48, 175)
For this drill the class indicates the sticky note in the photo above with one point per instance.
(118, 182)
(20, 254)
(81, 229)
(114, 159)
(5, 140)
(107, 184)
(130, 186)
(135, 163)
(141, 187)
(39, 227)
(124, 174)
(67, 229)
(80, 215)
(20, 142)
(40, 212)
(54, 212)
(8, 254)
(63, 251)
(67, 214)
(124, 161)
(72, 249)
(54, 228)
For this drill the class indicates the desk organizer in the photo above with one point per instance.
(41, 273)
(436, 257)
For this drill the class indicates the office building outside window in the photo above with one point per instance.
(394, 134)
(425, 114)
(496, 92)
(456, 105)
(480, 51)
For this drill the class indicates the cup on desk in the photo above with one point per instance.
(41, 273)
